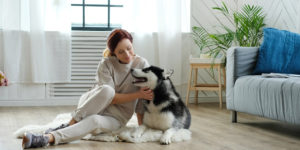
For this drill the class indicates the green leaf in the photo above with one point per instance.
(248, 24)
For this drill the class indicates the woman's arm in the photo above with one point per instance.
(123, 98)
(139, 118)
(144, 93)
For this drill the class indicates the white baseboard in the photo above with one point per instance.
(39, 102)
(70, 102)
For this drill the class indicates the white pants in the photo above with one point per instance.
(87, 114)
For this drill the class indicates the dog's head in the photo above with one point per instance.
(147, 77)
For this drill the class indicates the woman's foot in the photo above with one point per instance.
(32, 141)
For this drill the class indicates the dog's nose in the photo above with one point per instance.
(131, 70)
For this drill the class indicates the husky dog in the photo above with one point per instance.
(166, 111)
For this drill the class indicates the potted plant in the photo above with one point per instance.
(247, 31)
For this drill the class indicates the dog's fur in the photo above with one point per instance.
(166, 111)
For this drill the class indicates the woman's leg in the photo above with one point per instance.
(93, 102)
(77, 131)
(84, 127)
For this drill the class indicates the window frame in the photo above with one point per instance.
(83, 5)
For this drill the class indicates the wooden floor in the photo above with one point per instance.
(211, 130)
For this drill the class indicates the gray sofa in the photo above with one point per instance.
(274, 98)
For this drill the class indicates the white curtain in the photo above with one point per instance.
(157, 31)
(36, 40)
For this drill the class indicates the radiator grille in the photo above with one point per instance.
(87, 48)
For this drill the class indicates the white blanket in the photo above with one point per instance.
(130, 133)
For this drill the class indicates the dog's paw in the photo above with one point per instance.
(165, 140)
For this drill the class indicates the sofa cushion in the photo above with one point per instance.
(276, 98)
(279, 52)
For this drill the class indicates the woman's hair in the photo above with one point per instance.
(113, 39)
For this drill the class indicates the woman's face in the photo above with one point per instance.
(124, 51)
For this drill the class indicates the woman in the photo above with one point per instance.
(110, 104)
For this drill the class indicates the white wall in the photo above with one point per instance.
(282, 14)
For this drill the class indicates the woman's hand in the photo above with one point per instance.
(145, 93)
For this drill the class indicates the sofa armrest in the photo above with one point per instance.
(240, 62)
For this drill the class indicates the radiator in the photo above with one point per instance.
(86, 52)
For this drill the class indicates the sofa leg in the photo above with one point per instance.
(234, 116)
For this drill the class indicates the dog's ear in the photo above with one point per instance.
(169, 73)
(158, 71)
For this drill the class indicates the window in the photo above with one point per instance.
(101, 15)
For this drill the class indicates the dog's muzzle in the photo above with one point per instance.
(136, 78)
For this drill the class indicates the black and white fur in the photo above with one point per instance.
(166, 111)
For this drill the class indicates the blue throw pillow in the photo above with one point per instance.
(279, 52)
